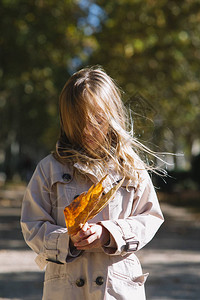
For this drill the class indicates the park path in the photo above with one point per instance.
(172, 258)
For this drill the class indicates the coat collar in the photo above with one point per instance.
(57, 170)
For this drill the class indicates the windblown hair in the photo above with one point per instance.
(90, 94)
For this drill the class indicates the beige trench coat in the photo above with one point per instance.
(112, 272)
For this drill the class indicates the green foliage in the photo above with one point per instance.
(150, 47)
(153, 47)
(38, 41)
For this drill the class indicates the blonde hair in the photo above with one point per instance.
(90, 93)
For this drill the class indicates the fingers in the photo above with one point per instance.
(85, 227)
(86, 233)
(94, 244)
(88, 243)
(80, 234)
(90, 238)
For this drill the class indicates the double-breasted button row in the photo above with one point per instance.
(67, 177)
(99, 280)
(80, 282)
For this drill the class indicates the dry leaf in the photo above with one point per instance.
(105, 199)
(77, 212)
(87, 205)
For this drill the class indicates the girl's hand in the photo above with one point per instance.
(77, 237)
(91, 236)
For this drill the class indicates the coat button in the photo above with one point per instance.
(99, 280)
(80, 282)
(67, 177)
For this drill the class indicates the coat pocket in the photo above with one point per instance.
(123, 287)
(135, 281)
(125, 279)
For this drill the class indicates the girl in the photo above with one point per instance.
(99, 262)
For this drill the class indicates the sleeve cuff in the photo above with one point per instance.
(116, 239)
(56, 246)
(111, 243)
(72, 252)
(120, 243)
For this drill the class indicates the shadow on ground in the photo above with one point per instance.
(15, 283)
(174, 281)
(21, 285)
(10, 233)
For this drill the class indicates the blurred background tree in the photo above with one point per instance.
(151, 48)
(39, 40)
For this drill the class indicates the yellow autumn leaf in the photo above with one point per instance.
(87, 205)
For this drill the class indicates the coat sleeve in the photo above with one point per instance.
(134, 232)
(49, 240)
